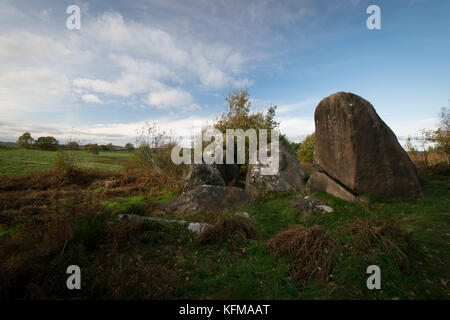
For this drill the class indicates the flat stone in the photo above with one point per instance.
(195, 227)
(321, 181)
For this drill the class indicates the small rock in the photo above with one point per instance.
(197, 227)
(245, 215)
(325, 208)
(312, 205)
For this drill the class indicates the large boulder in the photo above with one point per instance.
(291, 177)
(357, 149)
(206, 198)
(203, 174)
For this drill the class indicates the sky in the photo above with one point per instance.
(173, 62)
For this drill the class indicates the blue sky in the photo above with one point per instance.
(172, 62)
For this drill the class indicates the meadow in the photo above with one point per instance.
(51, 219)
(17, 162)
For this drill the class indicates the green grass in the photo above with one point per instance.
(247, 270)
(17, 162)
(136, 205)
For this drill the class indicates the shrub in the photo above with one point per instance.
(92, 148)
(153, 155)
(64, 164)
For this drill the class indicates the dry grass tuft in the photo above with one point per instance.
(310, 249)
(368, 233)
(227, 230)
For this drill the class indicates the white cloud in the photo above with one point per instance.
(169, 98)
(285, 108)
(296, 128)
(31, 89)
(26, 47)
(8, 11)
(139, 76)
(214, 65)
(91, 98)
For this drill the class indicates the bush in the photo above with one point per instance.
(153, 155)
(64, 164)
(92, 148)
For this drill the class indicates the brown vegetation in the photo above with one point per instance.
(310, 250)
(227, 230)
(367, 233)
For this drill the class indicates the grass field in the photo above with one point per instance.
(247, 270)
(17, 162)
(46, 226)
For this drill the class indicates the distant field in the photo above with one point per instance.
(17, 162)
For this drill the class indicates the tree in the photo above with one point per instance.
(441, 136)
(47, 143)
(410, 146)
(305, 153)
(25, 141)
(92, 148)
(72, 145)
(129, 146)
(238, 116)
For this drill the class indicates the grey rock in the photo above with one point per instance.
(196, 227)
(291, 177)
(203, 174)
(206, 198)
(312, 205)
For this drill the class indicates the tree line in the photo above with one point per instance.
(49, 143)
